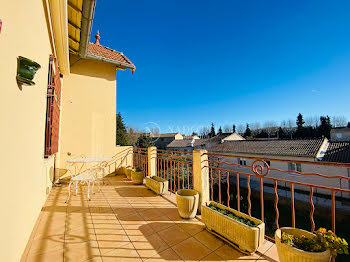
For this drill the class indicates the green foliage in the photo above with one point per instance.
(212, 130)
(121, 137)
(228, 213)
(322, 241)
(220, 131)
(325, 127)
(247, 132)
(144, 141)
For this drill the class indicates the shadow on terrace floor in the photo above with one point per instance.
(125, 222)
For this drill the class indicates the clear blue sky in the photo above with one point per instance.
(228, 62)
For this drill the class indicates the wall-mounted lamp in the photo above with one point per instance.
(26, 70)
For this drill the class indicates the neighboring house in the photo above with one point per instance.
(190, 137)
(196, 143)
(162, 140)
(185, 145)
(315, 150)
(218, 139)
(69, 111)
(340, 134)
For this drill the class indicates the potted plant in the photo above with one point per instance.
(187, 202)
(128, 171)
(137, 176)
(244, 231)
(26, 70)
(157, 184)
(298, 245)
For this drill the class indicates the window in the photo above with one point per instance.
(242, 161)
(52, 110)
(294, 167)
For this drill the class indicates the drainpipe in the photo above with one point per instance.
(86, 25)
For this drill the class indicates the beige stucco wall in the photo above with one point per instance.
(88, 121)
(24, 171)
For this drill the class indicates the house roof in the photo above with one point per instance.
(180, 143)
(108, 54)
(164, 135)
(297, 148)
(337, 152)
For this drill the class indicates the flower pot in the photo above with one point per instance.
(128, 173)
(157, 184)
(187, 202)
(289, 253)
(137, 177)
(247, 238)
(26, 70)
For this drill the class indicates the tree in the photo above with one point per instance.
(325, 127)
(281, 133)
(204, 132)
(121, 131)
(220, 131)
(233, 128)
(227, 129)
(300, 133)
(194, 134)
(212, 130)
(339, 121)
(247, 132)
(144, 141)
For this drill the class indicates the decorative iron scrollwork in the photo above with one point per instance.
(260, 168)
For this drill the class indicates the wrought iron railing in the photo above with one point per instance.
(140, 159)
(252, 185)
(176, 167)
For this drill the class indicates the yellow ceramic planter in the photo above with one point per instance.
(245, 237)
(157, 184)
(187, 202)
(137, 177)
(128, 173)
(287, 253)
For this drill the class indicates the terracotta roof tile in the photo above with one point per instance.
(108, 53)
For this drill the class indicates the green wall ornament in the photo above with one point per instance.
(26, 70)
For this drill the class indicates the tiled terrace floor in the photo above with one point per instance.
(125, 222)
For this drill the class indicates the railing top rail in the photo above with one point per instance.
(307, 162)
(282, 180)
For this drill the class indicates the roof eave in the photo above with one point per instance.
(118, 64)
(59, 18)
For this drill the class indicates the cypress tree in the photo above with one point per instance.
(121, 131)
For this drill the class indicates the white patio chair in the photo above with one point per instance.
(85, 177)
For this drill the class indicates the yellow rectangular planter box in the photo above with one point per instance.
(157, 184)
(245, 237)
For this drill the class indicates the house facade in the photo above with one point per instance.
(68, 112)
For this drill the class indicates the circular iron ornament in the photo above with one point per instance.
(260, 168)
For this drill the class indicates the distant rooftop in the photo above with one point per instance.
(338, 152)
(164, 135)
(297, 148)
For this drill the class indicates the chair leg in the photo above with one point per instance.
(70, 183)
(89, 190)
(93, 186)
